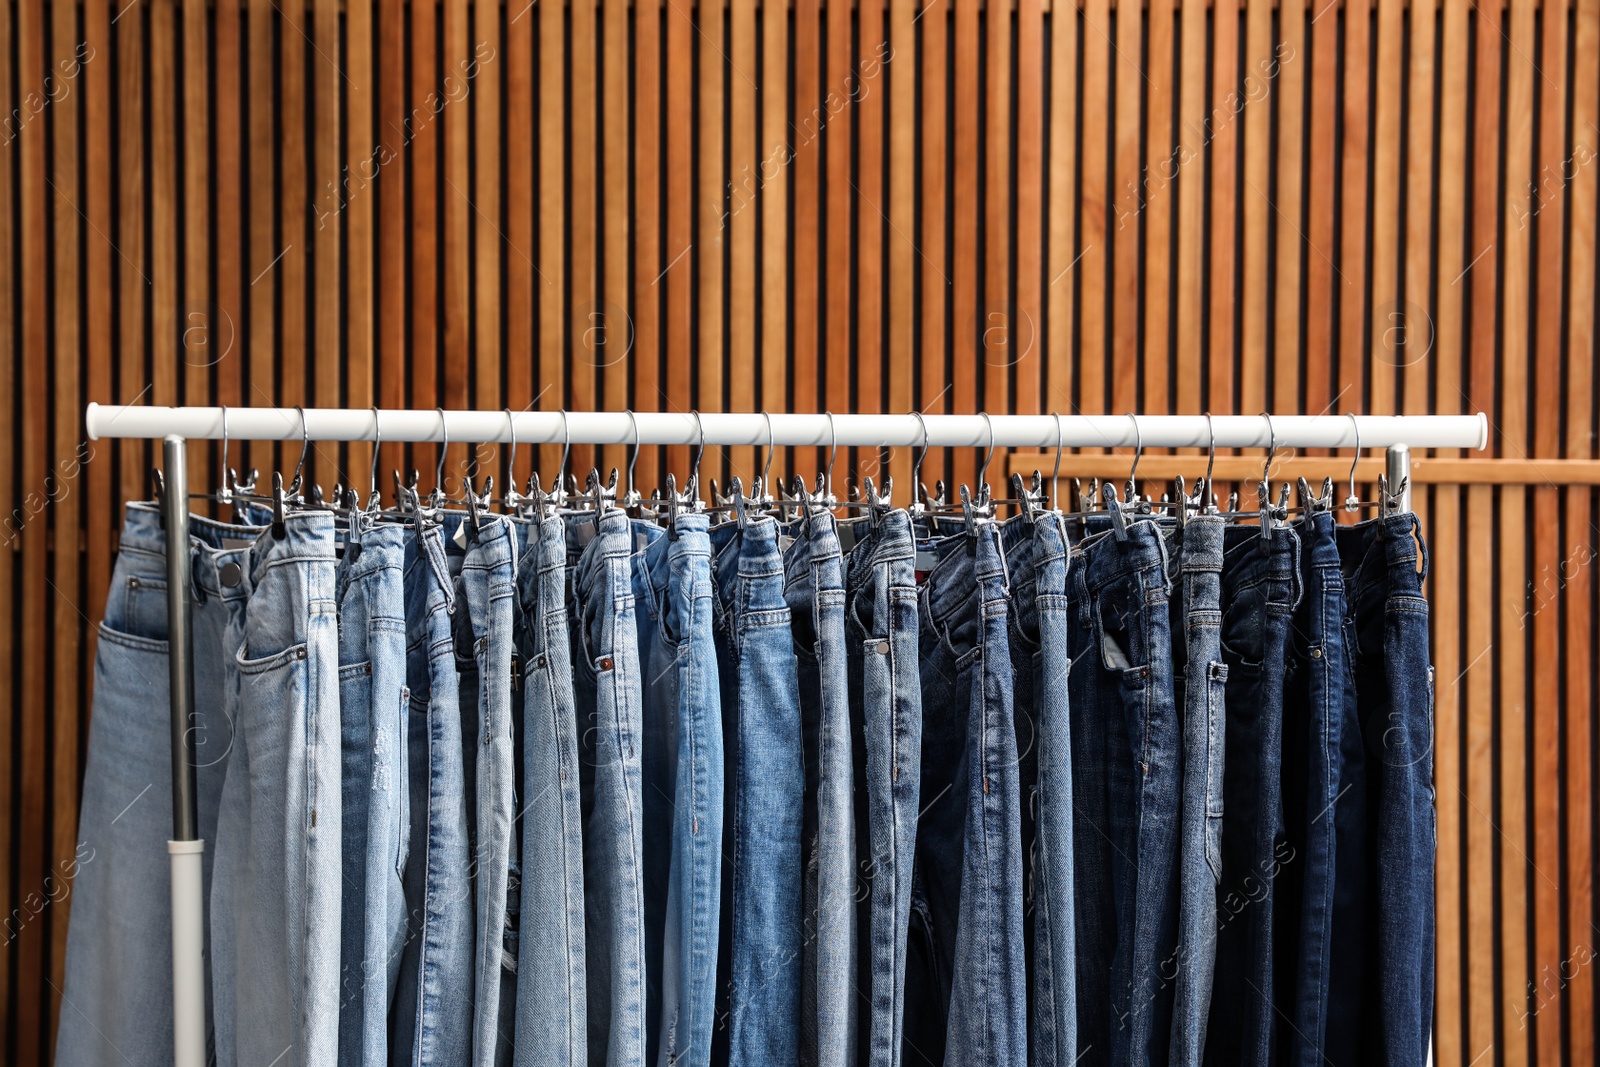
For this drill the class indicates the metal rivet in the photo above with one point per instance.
(883, 647)
(300, 654)
(133, 583)
(231, 574)
(1316, 653)
(605, 663)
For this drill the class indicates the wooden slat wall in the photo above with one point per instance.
(1014, 205)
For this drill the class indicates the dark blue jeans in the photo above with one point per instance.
(1260, 588)
(1200, 677)
(965, 975)
(1037, 559)
(881, 626)
(1386, 979)
(758, 1004)
(1125, 770)
(1324, 803)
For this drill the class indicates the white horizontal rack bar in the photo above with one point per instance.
(821, 430)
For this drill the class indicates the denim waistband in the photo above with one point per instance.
(814, 547)
(1198, 545)
(1319, 545)
(1251, 560)
(664, 551)
(964, 561)
(741, 555)
(888, 540)
(1380, 557)
(213, 545)
(1039, 561)
(1103, 557)
(589, 556)
(307, 537)
(382, 545)
(494, 546)
(541, 563)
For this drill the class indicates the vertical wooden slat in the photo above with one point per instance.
(1511, 710)
(1222, 119)
(199, 326)
(422, 126)
(1445, 609)
(327, 355)
(706, 221)
(615, 229)
(1484, 254)
(869, 90)
(1414, 352)
(1263, 79)
(360, 163)
(647, 289)
(1354, 156)
(777, 164)
(1124, 235)
(1150, 200)
(1063, 253)
(1579, 539)
(1191, 192)
(265, 251)
(456, 203)
(803, 258)
(584, 281)
(32, 843)
(165, 228)
(1093, 197)
(486, 65)
(678, 253)
(740, 213)
(391, 158)
(551, 223)
(998, 328)
(294, 190)
(903, 263)
(11, 381)
(1029, 236)
(1387, 295)
(837, 121)
(965, 310)
(934, 281)
(1293, 61)
(1479, 775)
(1320, 208)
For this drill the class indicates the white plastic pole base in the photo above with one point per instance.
(188, 953)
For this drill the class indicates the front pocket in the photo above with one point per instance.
(144, 607)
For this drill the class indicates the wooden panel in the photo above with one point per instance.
(952, 205)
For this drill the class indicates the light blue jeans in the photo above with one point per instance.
(758, 1006)
(683, 788)
(1037, 558)
(830, 999)
(373, 704)
(275, 894)
(551, 1009)
(119, 940)
(433, 998)
(607, 692)
(488, 579)
(884, 685)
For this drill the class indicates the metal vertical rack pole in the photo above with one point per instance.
(1398, 434)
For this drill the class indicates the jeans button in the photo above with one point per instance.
(230, 574)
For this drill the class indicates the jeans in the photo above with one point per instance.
(608, 699)
(551, 1015)
(758, 1005)
(1387, 632)
(966, 979)
(1322, 755)
(373, 705)
(275, 893)
(1126, 771)
(1198, 664)
(1037, 558)
(1260, 589)
(488, 579)
(881, 620)
(814, 587)
(118, 972)
(433, 996)
(683, 787)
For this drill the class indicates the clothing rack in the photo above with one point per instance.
(1395, 433)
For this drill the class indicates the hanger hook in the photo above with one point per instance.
(833, 453)
(225, 480)
(916, 468)
(765, 490)
(633, 455)
(1138, 453)
(438, 472)
(566, 450)
(511, 468)
(1352, 502)
(1211, 455)
(1272, 447)
(983, 471)
(305, 446)
(1055, 474)
(699, 451)
(372, 476)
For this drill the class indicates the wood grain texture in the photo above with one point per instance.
(941, 205)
